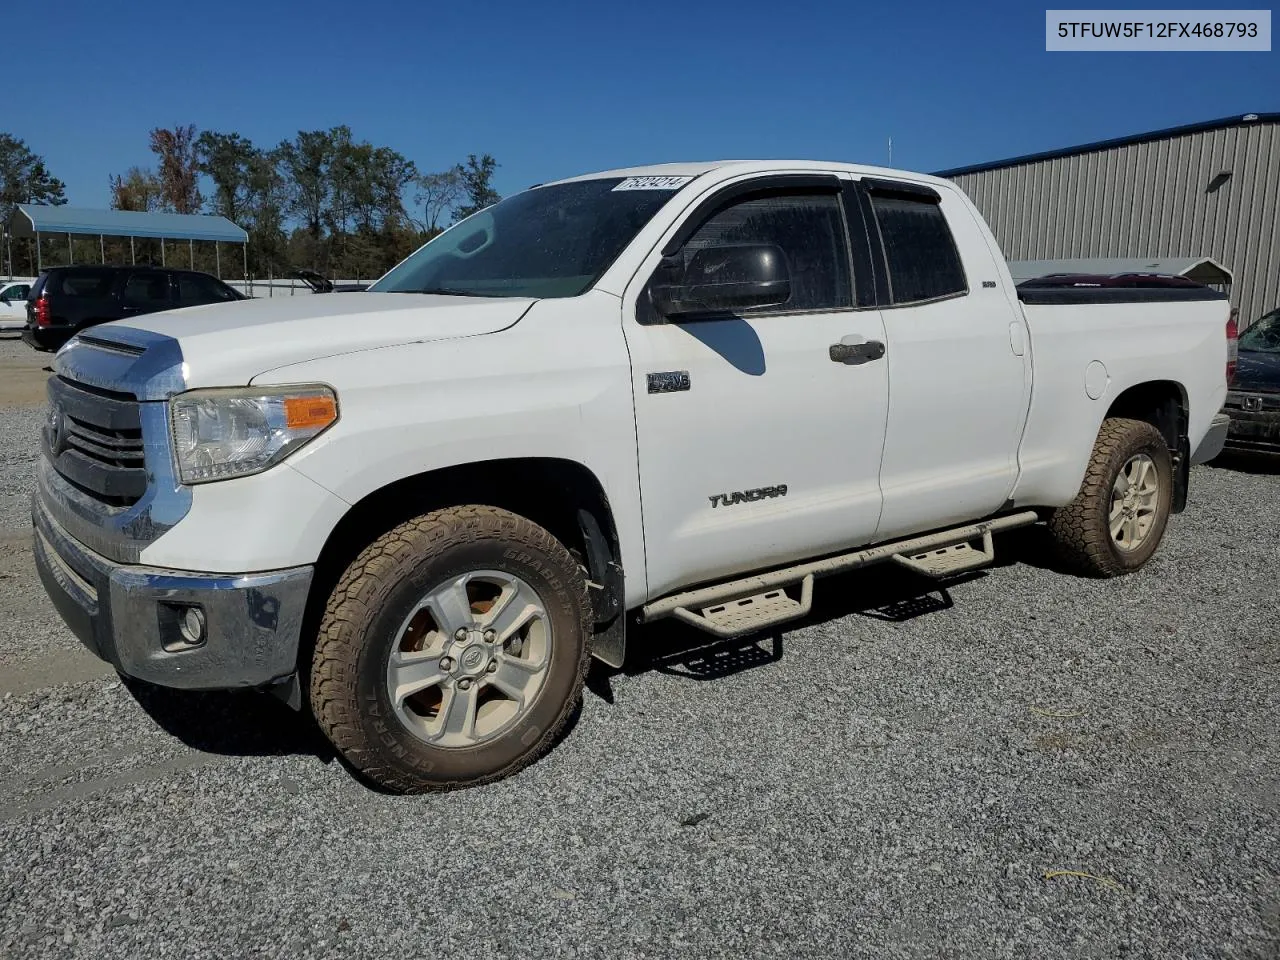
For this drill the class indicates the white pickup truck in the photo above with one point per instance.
(680, 391)
(13, 303)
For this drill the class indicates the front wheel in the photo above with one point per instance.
(1118, 518)
(452, 651)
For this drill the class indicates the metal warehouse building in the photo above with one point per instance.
(1203, 190)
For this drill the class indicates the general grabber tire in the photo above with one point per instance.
(1118, 518)
(452, 650)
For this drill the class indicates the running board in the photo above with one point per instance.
(755, 603)
(948, 561)
(749, 614)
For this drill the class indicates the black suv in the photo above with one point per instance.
(66, 300)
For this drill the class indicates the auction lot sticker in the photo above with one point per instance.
(653, 183)
(1167, 30)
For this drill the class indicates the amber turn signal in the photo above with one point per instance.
(302, 413)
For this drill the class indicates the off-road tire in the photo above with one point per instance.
(361, 620)
(1080, 530)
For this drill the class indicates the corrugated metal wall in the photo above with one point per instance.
(1150, 200)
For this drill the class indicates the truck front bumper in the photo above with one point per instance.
(140, 619)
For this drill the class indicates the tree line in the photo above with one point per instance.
(322, 200)
(24, 179)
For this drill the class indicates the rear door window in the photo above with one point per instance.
(199, 288)
(147, 291)
(921, 254)
(89, 284)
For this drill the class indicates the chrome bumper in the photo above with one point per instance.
(131, 616)
(1214, 440)
(1255, 421)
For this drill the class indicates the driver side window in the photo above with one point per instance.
(197, 289)
(808, 228)
(147, 291)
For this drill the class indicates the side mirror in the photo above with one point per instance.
(726, 279)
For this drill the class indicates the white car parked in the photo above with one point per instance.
(685, 391)
(13, 303)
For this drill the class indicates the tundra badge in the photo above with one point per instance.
(747, 496)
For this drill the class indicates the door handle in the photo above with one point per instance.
(863, 352)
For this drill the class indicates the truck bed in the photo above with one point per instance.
(1113, 288)
(1150, 331)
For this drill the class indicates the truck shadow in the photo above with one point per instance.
(1241, 461)
(240, 723)
(252, 723)
(886, 593)
(1032, 547)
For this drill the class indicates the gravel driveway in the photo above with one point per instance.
(899, 776)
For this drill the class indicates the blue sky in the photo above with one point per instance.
(557, 89)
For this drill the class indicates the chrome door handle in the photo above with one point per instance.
(863, 352)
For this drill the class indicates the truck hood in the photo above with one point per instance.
(229, 344)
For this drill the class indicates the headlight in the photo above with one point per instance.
(220, 434)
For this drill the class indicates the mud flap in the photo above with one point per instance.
(1182, 461)
(609, 642)
(609, 645)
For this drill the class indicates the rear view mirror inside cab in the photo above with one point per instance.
(472, 243)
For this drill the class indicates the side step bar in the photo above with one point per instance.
(745, 615)
(948, 561)
(753, 603)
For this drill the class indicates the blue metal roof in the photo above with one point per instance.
(32, 218)
(1222, 123)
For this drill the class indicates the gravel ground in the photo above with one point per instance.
(19, 426)
(892, 778)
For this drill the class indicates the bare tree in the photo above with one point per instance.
(437, 194)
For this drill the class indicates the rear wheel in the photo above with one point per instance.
(452, 651)
(1118, 518)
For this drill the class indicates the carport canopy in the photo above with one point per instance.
(1204, 270)
(33, 220)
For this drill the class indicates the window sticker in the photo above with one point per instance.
(652, 183)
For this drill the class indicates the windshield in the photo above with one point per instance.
(551, 241)
(1263, 335)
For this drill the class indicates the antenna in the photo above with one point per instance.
(890, 152)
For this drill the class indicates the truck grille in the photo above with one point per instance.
(94, 441)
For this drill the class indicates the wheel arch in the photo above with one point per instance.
(1165, 405)
(552, 492)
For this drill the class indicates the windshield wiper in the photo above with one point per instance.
(451, 292)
